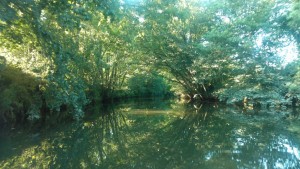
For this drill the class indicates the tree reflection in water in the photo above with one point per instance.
(159, 134)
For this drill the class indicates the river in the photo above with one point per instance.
(157, 133)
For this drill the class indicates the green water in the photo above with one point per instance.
(160, 134)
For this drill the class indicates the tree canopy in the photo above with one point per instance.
(86, 52)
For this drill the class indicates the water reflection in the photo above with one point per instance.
(163, 134)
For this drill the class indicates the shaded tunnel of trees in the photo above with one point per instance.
(57, 57)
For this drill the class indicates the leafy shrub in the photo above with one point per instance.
(143, 85)
(257, 90)
(2, 62)
(293, 87)
(20, 98)
(66, 95)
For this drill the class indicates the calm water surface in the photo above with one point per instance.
(160, 134)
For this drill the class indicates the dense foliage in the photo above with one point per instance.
(144, 85)
(19, 95)
(60, 56)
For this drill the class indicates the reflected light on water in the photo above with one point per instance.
(158, 135)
